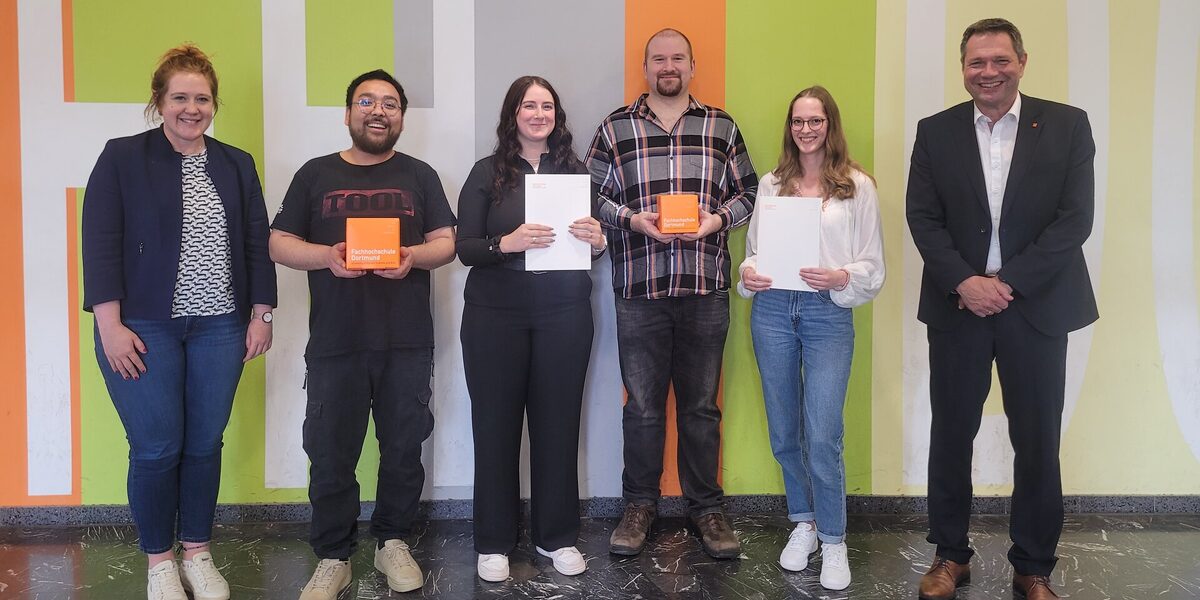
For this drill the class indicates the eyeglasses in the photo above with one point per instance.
(367, 105)
(815, 123)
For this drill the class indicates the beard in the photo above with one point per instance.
(668, 87)
(363, 141)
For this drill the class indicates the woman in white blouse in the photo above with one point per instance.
(804, 341)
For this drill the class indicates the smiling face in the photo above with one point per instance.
(375, 130)
(669, 66)
(809, 141)
(187, 110)
(992, 72)
(535, 118)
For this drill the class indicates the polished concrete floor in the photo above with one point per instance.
(1132, 557)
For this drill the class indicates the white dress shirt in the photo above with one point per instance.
(851, 239)
(996, 145)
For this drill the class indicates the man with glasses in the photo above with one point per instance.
(672, 290)
(370, 348)
(1000, 202)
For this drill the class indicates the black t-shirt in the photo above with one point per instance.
(369, 312)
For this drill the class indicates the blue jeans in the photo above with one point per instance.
(804, 344)
(174, 418)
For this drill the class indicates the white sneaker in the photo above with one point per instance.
(567, 560)
(331, 577)
(162, 582)
(801, 543)
(395, 561)
(201, 577)
(492, 567)
(835, 569)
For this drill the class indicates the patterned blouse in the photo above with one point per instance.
(204, 286)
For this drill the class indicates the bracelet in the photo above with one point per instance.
(604, 247)
(844, 285)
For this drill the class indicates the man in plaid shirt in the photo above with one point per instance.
(672, 289)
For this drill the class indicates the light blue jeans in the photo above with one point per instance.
(804, 344)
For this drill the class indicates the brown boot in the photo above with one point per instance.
(1033, 587)
(716, 536)
(630, 535)
(941, 581)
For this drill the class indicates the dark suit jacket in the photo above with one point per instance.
(133, 222)
(1045, 217)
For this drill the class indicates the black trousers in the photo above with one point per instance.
(678, 341)
(1032, 371)
(526, 339)
(343, 392)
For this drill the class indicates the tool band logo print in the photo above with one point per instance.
(389, 202)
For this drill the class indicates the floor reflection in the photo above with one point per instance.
(1119, 557)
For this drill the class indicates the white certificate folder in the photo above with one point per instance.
(558, 201)
(789, 238)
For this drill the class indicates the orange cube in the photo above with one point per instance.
(372, 243)
(678, 213)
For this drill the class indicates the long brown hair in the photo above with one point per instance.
(837, 170)
(506, 166)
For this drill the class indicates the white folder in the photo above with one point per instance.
(557, 201)
(789, 238)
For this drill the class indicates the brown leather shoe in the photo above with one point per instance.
(942, 580)
(1033, 587)
(716, 536)
(630, 535)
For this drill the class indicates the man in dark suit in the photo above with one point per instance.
(1000, 201)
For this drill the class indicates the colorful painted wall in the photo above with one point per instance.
(76, 73)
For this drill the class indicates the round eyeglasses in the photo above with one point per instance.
(388, 105)
(815, 123)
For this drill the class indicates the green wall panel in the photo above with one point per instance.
(775, 49)
(342, 41)
(117, 45)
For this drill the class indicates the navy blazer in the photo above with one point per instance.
(1045, 217)
(133, 224)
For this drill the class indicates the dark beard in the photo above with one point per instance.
(369, 145)
(659, 86)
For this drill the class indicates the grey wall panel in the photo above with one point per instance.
(579, 47)
(414, 50)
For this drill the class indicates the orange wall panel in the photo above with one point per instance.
(702, 21)
(13, 469)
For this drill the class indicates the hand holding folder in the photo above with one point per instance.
(556, 201)
(526, 237)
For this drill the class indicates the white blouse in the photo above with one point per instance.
(851, 239)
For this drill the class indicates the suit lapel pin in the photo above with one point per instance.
(1034, 124)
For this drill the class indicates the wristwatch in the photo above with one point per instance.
(265, 317)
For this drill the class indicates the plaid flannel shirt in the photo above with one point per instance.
(632, 159)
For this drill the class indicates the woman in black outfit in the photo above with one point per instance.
(526, 337)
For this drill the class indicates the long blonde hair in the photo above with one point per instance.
(837, 170)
